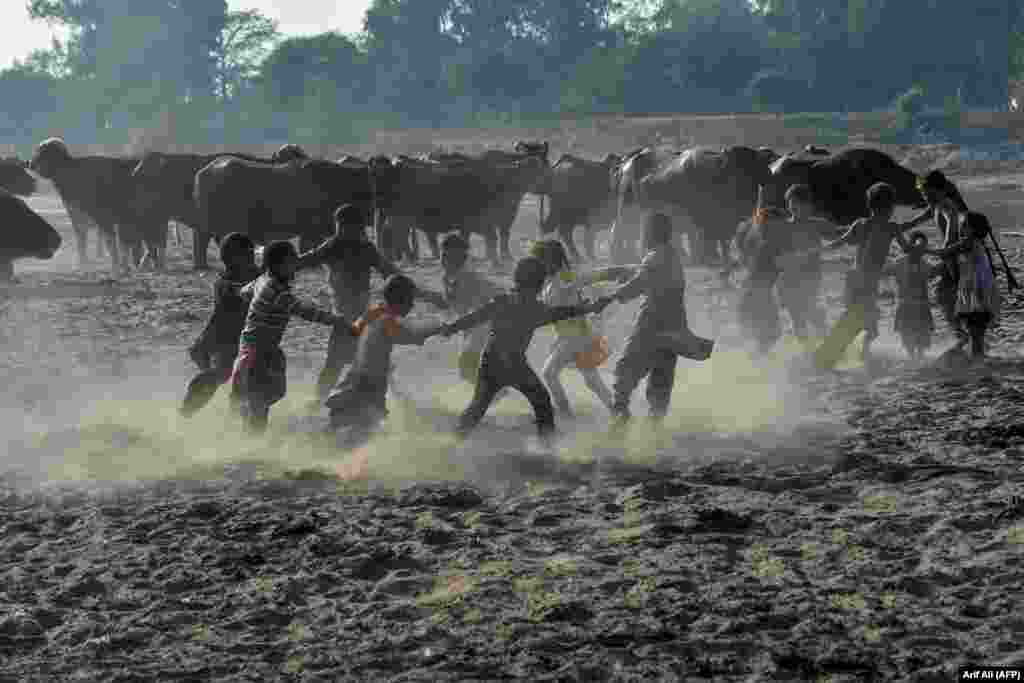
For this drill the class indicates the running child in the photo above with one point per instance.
(577, 342)
(873, 237)
(914, 322)
(259, 375)
(350, 258)
(359, 400)
(800, 264)
(514, 317)
(215, 350)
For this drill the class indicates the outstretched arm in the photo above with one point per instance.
(315, 257)
(639, 283)
(921, 218)
(955, 248)
(470, 320)
(853, 235)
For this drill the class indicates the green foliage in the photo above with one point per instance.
(909, 106)
(197, 71)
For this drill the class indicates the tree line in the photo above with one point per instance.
(215, 76)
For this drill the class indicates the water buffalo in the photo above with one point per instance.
(277, 201)
(475, 194)
(706, 191)
(167, 187)
(24, 234)
(100, 191)
(580, 192)
(839, 183)
(15, 178)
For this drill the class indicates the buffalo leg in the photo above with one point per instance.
(200, 243)
(80, 228)
(6, 269)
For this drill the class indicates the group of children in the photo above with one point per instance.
(789, 254)
(241, 344)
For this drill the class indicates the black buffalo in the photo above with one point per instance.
(15, 178)
(277, 201)
(23, 234)
(100, 191)
(166, 184)
(580, 192)
(706, 191)
(473, 194)
(839, 183)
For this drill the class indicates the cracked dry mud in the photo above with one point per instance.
(851, 527)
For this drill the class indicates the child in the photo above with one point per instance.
(873, 237)
(977, 296)
(359, 400)
(215, 350)
(914, 322)
(800, 265)
(259, 377)
(350, 257)
(576, 340)
(661, 282)
(514, 317)
(466, 290)
(760, 246)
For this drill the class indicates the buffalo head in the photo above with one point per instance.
(15, 178)
(25, 233)
(287, 153)
(50, 157)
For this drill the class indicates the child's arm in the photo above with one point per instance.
(558, 313)
(317, 256)
(605, 275)
(436, 298)
(414, 336)
(852, 235)
(955, 248)
(923, 217)
(471, 319)
(313, 314)
(640, 281)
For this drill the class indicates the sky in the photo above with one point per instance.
(19, 35)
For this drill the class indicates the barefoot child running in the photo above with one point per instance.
(258, 377)
(801, 269)
(359, 400)
(350, 259)
(873, 237)
(215, 350)
(576, 342)
(514, 317)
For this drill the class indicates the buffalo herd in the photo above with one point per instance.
(710, 193)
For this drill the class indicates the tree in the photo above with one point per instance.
(245, 41)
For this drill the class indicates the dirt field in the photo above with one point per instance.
(848, 527)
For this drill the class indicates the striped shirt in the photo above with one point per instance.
(272, 304)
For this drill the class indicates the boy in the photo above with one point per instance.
(349, 257)
(800, 264)
(873, 237)
(360, 398)
(215, 350)
(259, 377)
(466, 290)
(661, 283)
(514, 317)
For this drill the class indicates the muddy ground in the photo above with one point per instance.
(847, 527)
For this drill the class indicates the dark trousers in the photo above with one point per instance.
(658, 366)
(341, 350)
(498, 372)
(203, 386)
(259, 384)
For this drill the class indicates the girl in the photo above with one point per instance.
(977, 296)
(576, 341)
